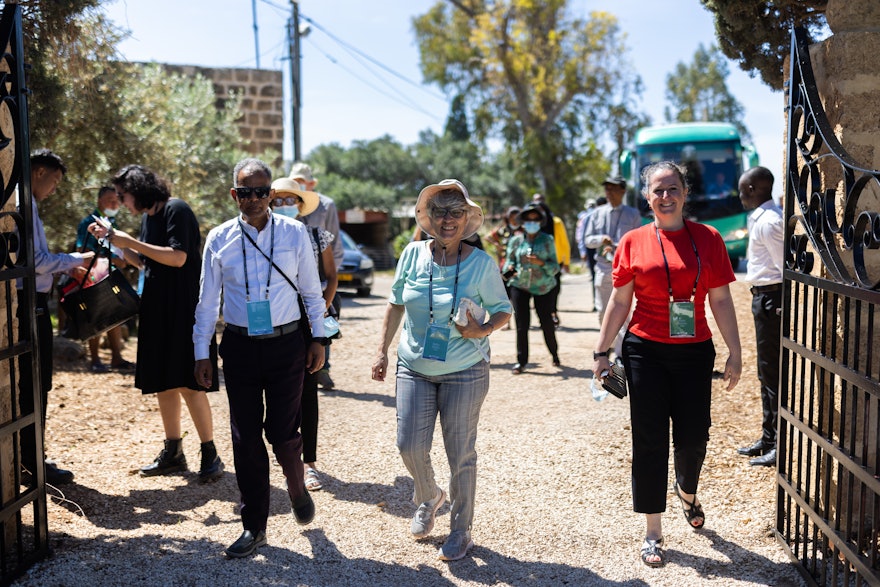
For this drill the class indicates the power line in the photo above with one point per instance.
(372, 60)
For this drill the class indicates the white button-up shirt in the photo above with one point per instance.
(223, 270)
(765, 252)
(45, 263)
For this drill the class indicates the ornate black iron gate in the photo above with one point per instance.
(23, 524)
(828, 509)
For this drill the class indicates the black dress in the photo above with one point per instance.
(165, 354)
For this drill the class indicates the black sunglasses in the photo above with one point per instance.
(245, 193)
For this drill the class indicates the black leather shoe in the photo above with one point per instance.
(556, 362)
(211, 471)
(303, 508)
(246, 544)
(768, 460)
(56, 476)
(757, 449)
(517, 369)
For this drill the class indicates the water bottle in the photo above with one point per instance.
(599, 392)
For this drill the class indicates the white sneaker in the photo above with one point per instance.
(423, 520)
(456, 546)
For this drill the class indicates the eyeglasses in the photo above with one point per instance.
(291, 201)
(245, 193)
(452, 212)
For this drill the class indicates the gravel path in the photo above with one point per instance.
(553, 505)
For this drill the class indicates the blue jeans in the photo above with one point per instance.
(457, 397)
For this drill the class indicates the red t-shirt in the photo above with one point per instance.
(639, 258)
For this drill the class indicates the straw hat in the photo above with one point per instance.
(423, 219)
(285, 185)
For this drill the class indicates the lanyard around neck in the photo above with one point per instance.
(431, 284)
(666, 262)
(247, 288)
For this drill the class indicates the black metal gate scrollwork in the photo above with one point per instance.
(23, 523)
(828, 478)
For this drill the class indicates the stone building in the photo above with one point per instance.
(261, 91)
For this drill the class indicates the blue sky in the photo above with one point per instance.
(347, 97)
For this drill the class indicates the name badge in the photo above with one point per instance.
(259, 318)
(681, 320)
(436, 342)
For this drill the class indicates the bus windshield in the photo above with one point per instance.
(713, 169)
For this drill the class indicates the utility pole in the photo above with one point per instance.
(293, 37)
(256, 32)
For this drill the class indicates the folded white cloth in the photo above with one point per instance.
(466, 305)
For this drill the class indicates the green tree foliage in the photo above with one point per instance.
(100, 114)
(757, 33)
(697, 92)
(533, 76)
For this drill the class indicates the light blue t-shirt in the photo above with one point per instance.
(479, 279)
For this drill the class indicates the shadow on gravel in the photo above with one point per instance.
(395, 500)
(389, 401)
(148, 507)
(487, 567)
(563, 372)
(741, 564)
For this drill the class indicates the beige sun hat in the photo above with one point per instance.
(475, 218)
(300, 170)
(285, 185)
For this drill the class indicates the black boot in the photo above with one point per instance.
(170, 460)
(212, 467)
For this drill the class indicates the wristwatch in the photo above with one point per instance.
(321, 340)
(597, 355)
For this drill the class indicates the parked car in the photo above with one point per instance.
(357, 267)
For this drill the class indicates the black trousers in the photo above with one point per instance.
(26, 380)
(667, 382)
(544, 308)
(309, 427)
(766, 308)
(256, 369)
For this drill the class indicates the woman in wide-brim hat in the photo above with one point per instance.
(442, 369)
(531, 263)
(287, 199)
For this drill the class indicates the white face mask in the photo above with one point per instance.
(110, 212)
(291, 211)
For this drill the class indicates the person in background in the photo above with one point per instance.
(108, 207)
(442, 370)
(589, 261)
(168, 249)
(563, 257)
(325, 216)
(548, 227)
(605, 228)
(671, 267)
(47, 171)
(500, 235)
(288, 200)
(532, 266)
(720, 187)
(248, 262)
(764, 273)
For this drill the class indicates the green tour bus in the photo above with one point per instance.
(714, 156)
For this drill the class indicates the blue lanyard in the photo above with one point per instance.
(431, 284)
(247, 288)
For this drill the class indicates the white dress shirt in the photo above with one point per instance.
(765, 252)
(45, 263)
(223, 268)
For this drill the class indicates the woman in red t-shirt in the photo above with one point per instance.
(671, 266)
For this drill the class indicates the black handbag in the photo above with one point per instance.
(615, 382)
(94, 310)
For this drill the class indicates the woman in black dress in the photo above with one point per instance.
(169, 251)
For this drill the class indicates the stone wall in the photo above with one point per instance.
(261, 91)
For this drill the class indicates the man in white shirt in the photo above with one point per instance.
(603, 231)
(249, 260)
(764, 273)
(47, 171)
